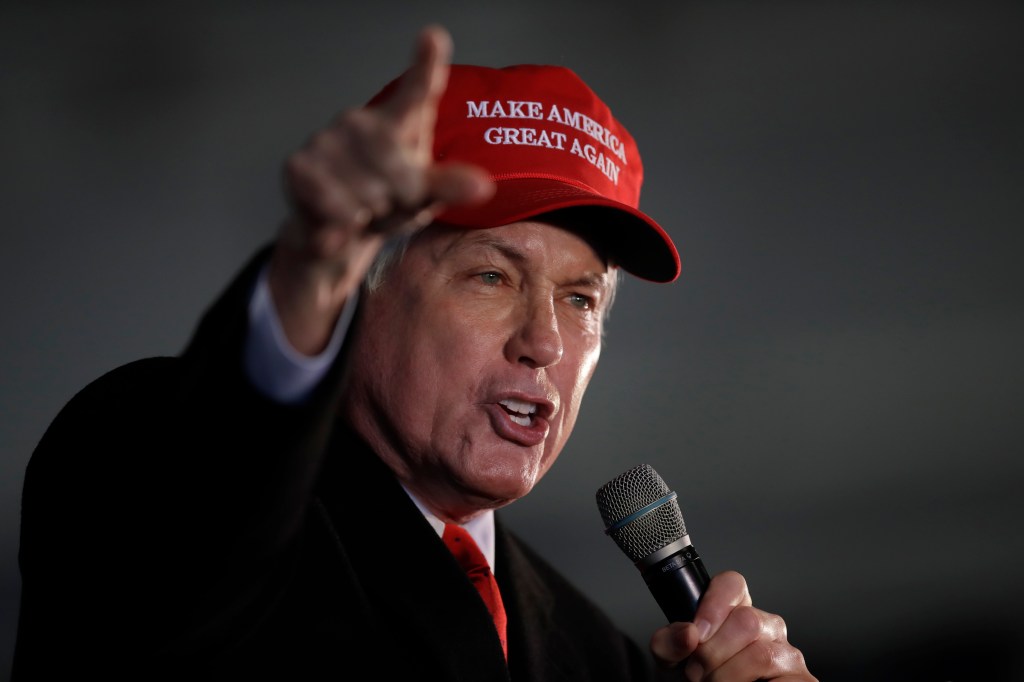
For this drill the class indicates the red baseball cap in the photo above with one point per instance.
(549, 143)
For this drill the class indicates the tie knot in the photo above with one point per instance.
(461, 544)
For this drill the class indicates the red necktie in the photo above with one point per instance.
(475, 565)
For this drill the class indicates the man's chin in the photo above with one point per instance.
(505, 479)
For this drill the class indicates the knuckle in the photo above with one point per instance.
(375, 196)
(777, 626)
(359, 129)
(767, 656)
(351, 118)
(321, 139)
(781, 658)
(750, 621)
(795, 659)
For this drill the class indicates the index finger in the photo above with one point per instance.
(419, 89)
(726, 591)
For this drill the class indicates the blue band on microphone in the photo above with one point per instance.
(640, 512)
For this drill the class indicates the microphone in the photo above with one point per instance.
(642, 516)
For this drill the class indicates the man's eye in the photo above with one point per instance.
(581, 301)
(491, 278)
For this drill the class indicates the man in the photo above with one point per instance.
(407, 357)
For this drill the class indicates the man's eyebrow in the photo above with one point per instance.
(592, 280)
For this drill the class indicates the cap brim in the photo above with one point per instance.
(634, 241)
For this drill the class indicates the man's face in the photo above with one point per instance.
(471, 360)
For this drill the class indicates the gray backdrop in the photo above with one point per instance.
(833, 386)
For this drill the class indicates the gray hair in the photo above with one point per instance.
(390, 255)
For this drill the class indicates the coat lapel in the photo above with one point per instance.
(419, 597)
(541, 652)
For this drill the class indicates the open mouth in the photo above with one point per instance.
(519, 411)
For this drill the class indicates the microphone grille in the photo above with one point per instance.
(628, 493)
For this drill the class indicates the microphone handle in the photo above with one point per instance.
(678, 582)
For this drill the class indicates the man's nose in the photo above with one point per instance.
(537, 340)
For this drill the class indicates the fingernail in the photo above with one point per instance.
(703, 629)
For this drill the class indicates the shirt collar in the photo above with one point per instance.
(481, 528)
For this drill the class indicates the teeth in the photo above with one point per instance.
(519, 411)
(520, 406)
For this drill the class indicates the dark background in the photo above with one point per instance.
(833, 386)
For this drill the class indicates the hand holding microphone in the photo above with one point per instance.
(713, 625)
